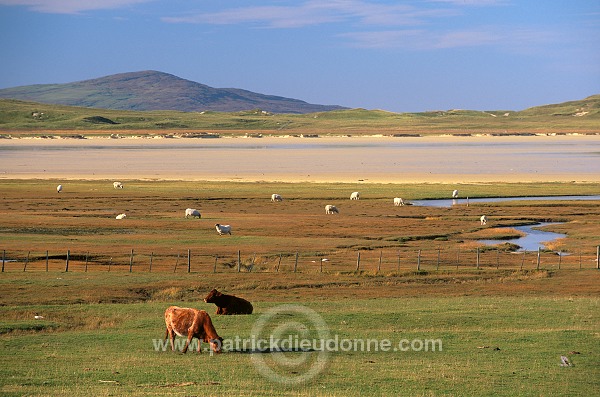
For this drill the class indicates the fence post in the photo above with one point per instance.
(358, 261)
(457, 258)
(497, 259)
(579, 259)
(239, 261)
(398, 262)
(419, 261)
(151, 255)
(523, 260)
(438, 260)
(598, 257)
(68, 257)
(87, 254)
(538, 258)
(215, 266)
(131, 261)
(3, 259)
(478, 258)
(296, 263)
(109, 263)
(380, 259)
(26, 261)
(189, 260)
(46, 261)
(559, 259)
(176, 263)
(278, 264)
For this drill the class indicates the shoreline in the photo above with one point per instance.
(343, 159)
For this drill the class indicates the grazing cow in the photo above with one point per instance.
(117, 185)
(191, 212)
(331, 209)
(276, 197)
(228, 304)
(59, 188)
(455, 194)
(398, 201)
(355, 196)
(191, 323)
(223, 229)
(483, 219)
(121, 216)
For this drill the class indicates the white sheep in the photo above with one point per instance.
(483, 219)
(276, 197)
(398, 201)
(59, 188)
(117, 185)
(192, 212)
(120, 216)
(355, 196)
(223, 229)
(455, 194)
(331, 209)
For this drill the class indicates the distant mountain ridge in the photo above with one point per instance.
(153, 90)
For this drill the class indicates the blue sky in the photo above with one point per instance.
(400, 56)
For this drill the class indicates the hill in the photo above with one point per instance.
(19, 118)
(152, 90)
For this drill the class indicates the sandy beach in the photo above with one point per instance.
(376, 159)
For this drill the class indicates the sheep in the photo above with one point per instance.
(331, 209)
(355, 196)
(223, 229)
(117, 185)
(191, 212)
(398, 201)
(276, 197)
(483, 219)
(120, 216)
(455, 194)
(59, 188)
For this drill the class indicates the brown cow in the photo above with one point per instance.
(192, 323)
(228, 304)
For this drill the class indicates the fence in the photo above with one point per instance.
(384, 260)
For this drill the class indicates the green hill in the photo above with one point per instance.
(152, 90)
(31, 118)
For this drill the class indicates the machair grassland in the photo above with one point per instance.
(503, 326)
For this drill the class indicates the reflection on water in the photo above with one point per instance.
(451, 202)
(533, 240)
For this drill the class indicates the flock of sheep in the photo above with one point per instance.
(226, 229)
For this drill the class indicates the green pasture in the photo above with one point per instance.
(490, 345)
(17, 116)
(172, 190)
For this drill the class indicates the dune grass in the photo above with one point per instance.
(16, 118)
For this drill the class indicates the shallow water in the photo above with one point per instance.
(382, 159)
(533, 240)
(451, 202)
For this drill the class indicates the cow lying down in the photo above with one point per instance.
(191, 323)
(228, 304)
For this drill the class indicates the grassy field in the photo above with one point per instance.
(82, 219)
(491, 343)
(502, 330)
(16, 119)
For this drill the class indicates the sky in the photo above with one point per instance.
(399, 56)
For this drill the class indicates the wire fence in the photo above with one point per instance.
(379, 261)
